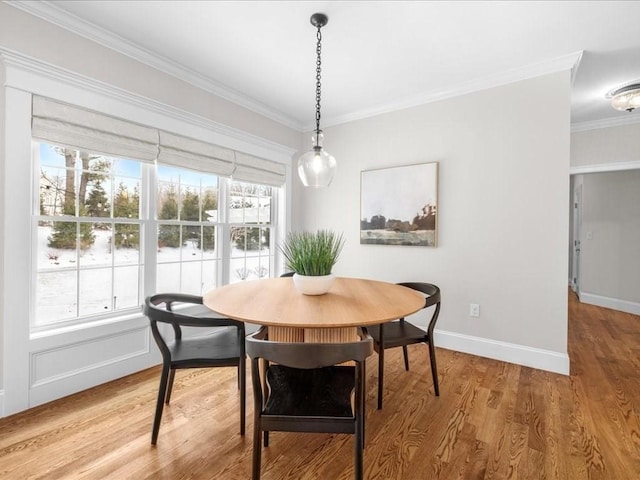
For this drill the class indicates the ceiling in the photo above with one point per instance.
(377, 56)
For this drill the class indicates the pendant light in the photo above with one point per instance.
(317, 166)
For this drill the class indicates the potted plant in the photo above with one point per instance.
(312, 256)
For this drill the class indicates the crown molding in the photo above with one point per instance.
(63, 19)
(565, 62)
(31, 67)
(629, 119)
(604, 167)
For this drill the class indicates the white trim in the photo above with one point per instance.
(604, 167)
(612, 303)
(628, 119)
(566, 62)
(66, 20)
(507, 352)
(2, 404)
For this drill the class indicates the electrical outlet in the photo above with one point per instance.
(474, 309)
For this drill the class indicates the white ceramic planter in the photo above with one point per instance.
(313, 285)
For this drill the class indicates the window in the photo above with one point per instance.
(250, 232)
(88, 230)
(152, 211)
(187, 211)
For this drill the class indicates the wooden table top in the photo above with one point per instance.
(350, 302)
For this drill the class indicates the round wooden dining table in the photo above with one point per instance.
(333, 317)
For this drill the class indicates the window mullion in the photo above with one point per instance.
(149, 213)
(224, 231)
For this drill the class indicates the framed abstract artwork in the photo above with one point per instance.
(399, 205)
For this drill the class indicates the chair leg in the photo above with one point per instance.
(167, 397)
(363, 402)
(434, 368)
(162, 391)
(266, 438)
(257, 449)
(406, 357)
(358, 453)
(242, 372)
(380, 368)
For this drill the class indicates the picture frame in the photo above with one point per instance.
(399, 205)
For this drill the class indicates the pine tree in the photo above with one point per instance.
(97, 203)
(169, 235)
(126, 205)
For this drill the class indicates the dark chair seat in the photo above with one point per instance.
(320, 392)
(397, 334)
(215, 349)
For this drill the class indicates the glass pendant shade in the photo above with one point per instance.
(317, 166)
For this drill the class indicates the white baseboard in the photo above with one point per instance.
(507, 352)
(608, 302)
(1, 403)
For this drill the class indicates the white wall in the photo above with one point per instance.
(503, 213)
(612, 148)
(610, 240)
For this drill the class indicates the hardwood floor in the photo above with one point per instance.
(493, 420)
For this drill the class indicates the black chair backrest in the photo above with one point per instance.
(308, 355)
(431, 291)
(157, 313)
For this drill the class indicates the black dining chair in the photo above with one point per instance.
(303, 388)
(288, 274)
(221, 346)
(401, 333)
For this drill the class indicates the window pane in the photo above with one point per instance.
(127, 243)
(168, 277)
(98, 199)
(167, 201)
(191, 278)
(63, 236)
(126, 198)
(168, 243)
(191, 240)
(210, 202)
(95, 291)
(209, 242)
(98, 252)
(126, 284)
(127, 168)
(239, 270)
(48, 257)
(189, 203)
(209, 275)
(53, 156)
(56, 297)
(54, 194)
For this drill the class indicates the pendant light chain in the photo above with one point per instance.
(316, 167)
(318, 76)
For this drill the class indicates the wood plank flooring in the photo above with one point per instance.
(493, 420)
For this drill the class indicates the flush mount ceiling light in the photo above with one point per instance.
(625, 98)
(317, 166)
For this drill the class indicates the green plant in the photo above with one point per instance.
(312, 254)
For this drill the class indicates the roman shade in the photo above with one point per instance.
(77, 127)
